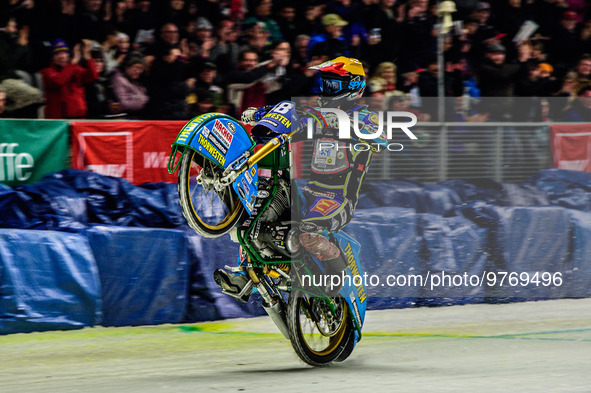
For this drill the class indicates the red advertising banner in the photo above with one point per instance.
(137, 151)
(571, 146)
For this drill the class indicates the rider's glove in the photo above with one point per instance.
(251, 116)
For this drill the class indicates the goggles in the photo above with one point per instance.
(331, 87)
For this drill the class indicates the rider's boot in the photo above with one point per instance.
(233, 284)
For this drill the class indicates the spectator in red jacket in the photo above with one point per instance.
(64, 81)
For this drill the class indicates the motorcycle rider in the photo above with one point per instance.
(337, 170)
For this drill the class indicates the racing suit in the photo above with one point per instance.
(338, 168)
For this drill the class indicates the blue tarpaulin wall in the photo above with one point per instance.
(48, 280)
(80, 249)
(143, 273)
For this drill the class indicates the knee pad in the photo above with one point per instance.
(320, 246)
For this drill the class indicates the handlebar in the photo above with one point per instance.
(279, 139)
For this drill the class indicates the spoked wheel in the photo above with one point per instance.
(210, 212)
(318, 335)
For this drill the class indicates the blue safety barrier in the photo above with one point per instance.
(564, 188)
(152, 268)
(408, 193)
(530, 243)
(578, 277)
(388, 238)
(73, 199)
(206, 301)
(143, 274)
(452, 253)
(48, 281)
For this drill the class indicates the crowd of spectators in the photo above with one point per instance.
(175, 59)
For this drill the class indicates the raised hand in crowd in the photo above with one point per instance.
(223, 47)
(76, 54)
(206, 46)
(82, 51)
(280, 58)
(314, 62)
(172, 56)
(524, 51)
(27, 4)
(23, 36)
(586, 31)
(68, 7)
(184, 47)
(414, 11)
(86, 48)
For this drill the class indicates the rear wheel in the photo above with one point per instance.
(318, 335)
(210, 212)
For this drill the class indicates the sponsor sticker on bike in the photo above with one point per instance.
(355, 272)
(356, 311)
(216, 142)
(222, 133)
(191, 126)
(263, 194)
(215, 154)
(245, 186)
(243, 256)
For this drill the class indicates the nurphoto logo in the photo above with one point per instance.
(390, 119)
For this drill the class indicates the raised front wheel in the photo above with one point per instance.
(209, 211)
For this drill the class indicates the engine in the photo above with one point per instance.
(274, 236)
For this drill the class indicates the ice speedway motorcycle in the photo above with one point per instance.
(221, 191)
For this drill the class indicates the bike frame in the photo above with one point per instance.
(207, 136)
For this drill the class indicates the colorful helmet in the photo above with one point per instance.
(342, 81)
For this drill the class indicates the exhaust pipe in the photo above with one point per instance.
(277, 314)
